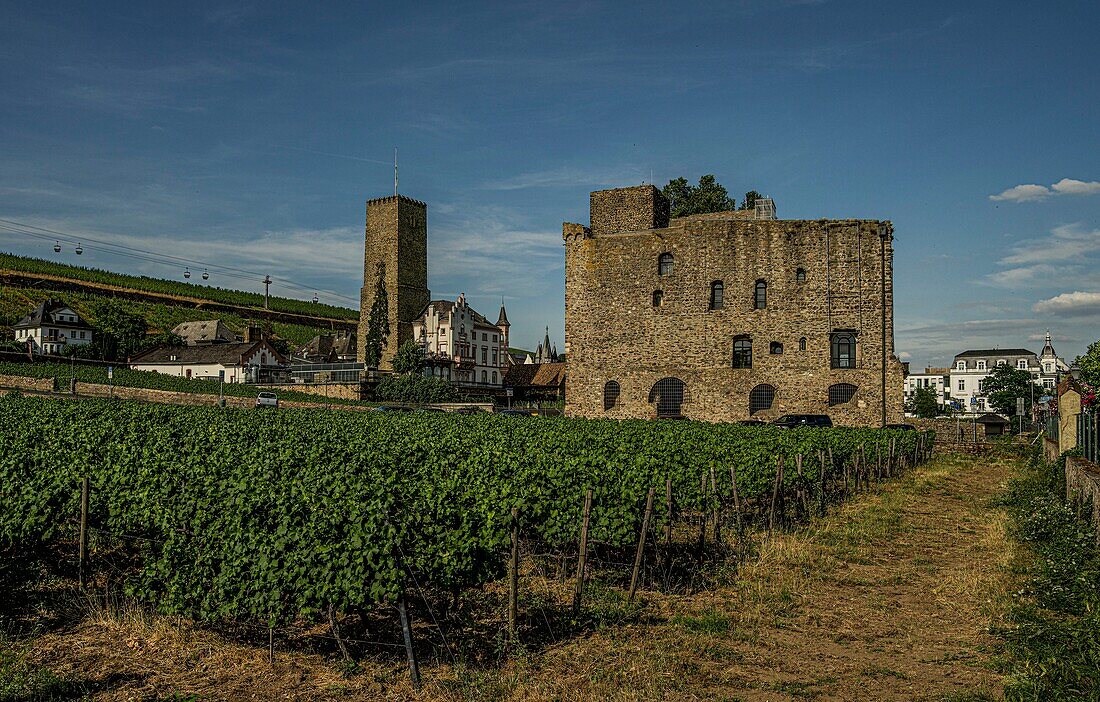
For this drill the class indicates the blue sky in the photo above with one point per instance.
(250, 134)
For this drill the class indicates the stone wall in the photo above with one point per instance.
(21, 383)
(627, 209)
(342, 391)
(1083, 486)
(614, 332)
(397, 235)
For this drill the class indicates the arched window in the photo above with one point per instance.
(761, 398)
(664, 264)
(802, 344)
(843, 350)
(841, 393)
(658, 297)
(483, 378)
(668, 393)
(610, 394)
(494, 377)
(800, 275)
(742, 352)
(776, 348)
(716, 292)
(760, 299)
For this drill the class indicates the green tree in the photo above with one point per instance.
(119, 334)
(750, 200)
(409, 358)
(378, 322)
(1089, 364)
(686, 199)
(923, 403)
(1004, 384)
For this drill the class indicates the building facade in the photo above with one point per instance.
(52, 327)
(241, 362)
(461, 345)
(396, 244)
(727, 316)
(970, 369)
(938, 380)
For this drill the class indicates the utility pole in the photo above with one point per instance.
(882, 234)
(267, 288)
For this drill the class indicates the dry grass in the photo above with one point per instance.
(889, 597)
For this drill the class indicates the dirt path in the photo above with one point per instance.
(890, 597)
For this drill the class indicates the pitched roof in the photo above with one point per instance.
(444, 307)
(232, 354)
(205, 331)
(994, 352)
(536, 375)
(43, 314)
(502, 318)
(342, 344)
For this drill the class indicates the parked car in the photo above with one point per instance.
(902, 427)
(790, 421)
(514, 412)
(469, 409)
(267, 399)
(752, 423)
(429, 409)
(392, 408)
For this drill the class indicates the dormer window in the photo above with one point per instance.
(981, 365)
(960, 365)
(1021, 364)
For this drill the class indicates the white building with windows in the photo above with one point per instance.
(935, 379)
(971, 368)
(461, 345)
(52, 327)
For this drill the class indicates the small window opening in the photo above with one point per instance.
(802, 344)
(658, 297)
(760, 299)
(611, 392)
(664, 264)
(761, 398)
(800, 275)
(716, 292)
(776, 348)
(742, 352)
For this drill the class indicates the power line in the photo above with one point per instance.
(166, 259)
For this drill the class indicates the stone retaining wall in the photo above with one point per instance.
(1083, 485)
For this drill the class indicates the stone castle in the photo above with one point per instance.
(729, 315)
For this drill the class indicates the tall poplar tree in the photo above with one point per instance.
(378, 323)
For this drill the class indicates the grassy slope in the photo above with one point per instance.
(16, 303)
(888, 597)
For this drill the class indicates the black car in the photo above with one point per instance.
(752, 423)
(514, 412)
(902, 427)
(790, 421)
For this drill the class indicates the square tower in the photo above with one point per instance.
(396, 236)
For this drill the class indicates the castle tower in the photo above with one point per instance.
(396, 236)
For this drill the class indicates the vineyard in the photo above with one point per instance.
(171, 287)
(275, 517)
(150, 380)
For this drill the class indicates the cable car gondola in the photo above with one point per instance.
(205, 275)
(186, 273)
(57, 247)
(79, 249)
(315, 298)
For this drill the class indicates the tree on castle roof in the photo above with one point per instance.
(750, 200)
(378, 323)
(709, 196)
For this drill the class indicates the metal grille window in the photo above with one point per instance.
(742, 353)
(800, 275)
(610, 394)
(760, 299)
(664, 264)
(841, 393)
(843, 350)
(668, 393)
(716, 292)
(761, 398)
(658, 297)
(776, 348)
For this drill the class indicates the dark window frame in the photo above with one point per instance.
(669, 394)
(761, 398)
(775, 348)
(760, 295)
(742, 352)
(611, 392)
(800, 275)
(717, 295)
(658, 298)
(841, 393)
(842, 350)
(666, 263)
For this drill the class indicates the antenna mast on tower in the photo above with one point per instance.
(395, 171)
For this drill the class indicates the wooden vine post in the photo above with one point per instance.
(668, 512)
(775, 493)
(641, 543)
(513, 578)
(715, 507)
(577, 594)
(703, 510)
(82, 559)
(821, 483)
(736, 500)
(406, 632)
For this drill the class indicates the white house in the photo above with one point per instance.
(461, 345)
(246, 361)
(971, 368)
(52, 327)
(935, 379)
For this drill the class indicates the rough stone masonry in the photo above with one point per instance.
(645, 340)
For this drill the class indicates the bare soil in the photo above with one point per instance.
(891, 596)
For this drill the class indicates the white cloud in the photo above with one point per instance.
(1023, 193)
(1068, 242)
(1023, 276)
(1031, 192)
(1068, 186)
(905, 355)
(1073, 304)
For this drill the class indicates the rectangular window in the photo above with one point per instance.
(484, 336)
(495, 357)
(962, 385)
(981, 365)
(960, 365)
(494, 338)
(484, 356)
(1021, 364)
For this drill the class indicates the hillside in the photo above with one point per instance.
(185, 292)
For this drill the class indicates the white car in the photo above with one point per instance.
(267, 399)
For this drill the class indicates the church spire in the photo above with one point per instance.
(502, 318)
